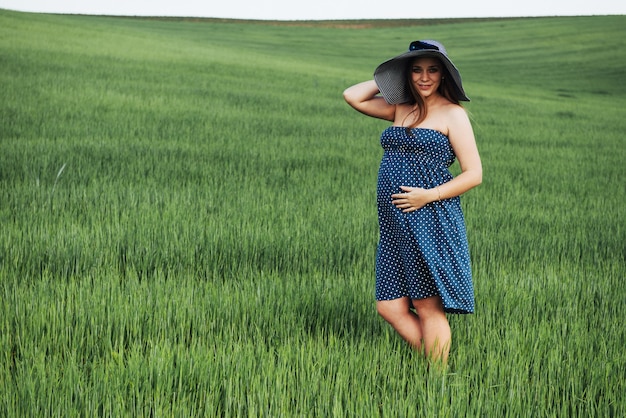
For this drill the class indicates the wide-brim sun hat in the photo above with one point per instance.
(392, 75)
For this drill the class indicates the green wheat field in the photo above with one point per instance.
(188, 220)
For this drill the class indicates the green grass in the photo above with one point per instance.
(188, 223)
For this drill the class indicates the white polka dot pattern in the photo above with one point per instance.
(422, 253)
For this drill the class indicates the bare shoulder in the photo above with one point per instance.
(456, 113)
(446, 117)
(456, 119)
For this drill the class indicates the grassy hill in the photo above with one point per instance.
(188, 223)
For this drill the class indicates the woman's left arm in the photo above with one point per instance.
(461, 136)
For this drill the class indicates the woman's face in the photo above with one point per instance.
(426, 75)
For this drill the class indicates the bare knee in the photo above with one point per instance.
(383, 310)
(431, 307)
(393, 310)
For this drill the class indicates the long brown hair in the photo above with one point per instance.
(446, 89)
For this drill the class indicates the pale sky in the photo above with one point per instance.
(322, 9)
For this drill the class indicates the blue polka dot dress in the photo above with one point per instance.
(421, 253)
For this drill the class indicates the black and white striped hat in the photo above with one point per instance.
(392, 77)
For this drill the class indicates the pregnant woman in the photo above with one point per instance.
(422, 262)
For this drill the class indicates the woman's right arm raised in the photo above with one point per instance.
(364, 98)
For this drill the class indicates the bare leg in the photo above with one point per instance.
(428, 329)
(402, 319)
(436, 333)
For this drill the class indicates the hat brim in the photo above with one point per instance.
(391, 76)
